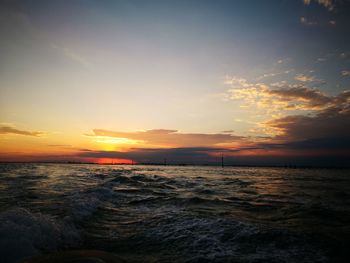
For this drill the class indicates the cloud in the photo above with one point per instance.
(329, 4)
(73, 55)
(157, 155)
(304, 78)
(321, 59)
(301, 127)
(228, 131)
(335, 143)
(345, 73)
(344, 55)
(299, 153)
(302, 139)
(328, 118)
(307, 22)
(333, 121)
(169, 138)
(324, 151)
(311, 97)
(278, 96)
(274, 74)
(7, 129)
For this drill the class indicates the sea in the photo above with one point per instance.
(175, 213)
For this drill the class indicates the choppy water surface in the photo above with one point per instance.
(176, 214)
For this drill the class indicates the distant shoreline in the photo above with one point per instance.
(288, 166)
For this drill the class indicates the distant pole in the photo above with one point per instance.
(222, 160)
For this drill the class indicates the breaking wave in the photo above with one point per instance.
(24, 234)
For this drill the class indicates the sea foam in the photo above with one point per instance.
(24, 234)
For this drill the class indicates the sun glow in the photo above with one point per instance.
(112, 144)
(110, 140)
(113, 161)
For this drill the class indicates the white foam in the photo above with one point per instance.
(85, 203)
(24, 234)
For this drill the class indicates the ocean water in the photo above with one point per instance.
(174, 213)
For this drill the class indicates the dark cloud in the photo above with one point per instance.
(313, 97)
(302, 139)
(157, 155)
(228, 131)
(341, 144)
(207, 155)
(5, 129)
(333, 122)
(326, 133)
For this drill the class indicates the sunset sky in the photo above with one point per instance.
(262, 82)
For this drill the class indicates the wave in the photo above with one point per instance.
(226, 240)
(84, 203)
(24, 234)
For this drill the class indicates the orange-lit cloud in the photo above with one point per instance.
(312, 98)
(167, 138)
(304, 78)
(325, 129)
(282, 96)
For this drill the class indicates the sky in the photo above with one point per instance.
(260, 82)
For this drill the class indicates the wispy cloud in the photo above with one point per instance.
(321, 59)
(8, 129)
(73, 55)
(304, 78)
(329, 4)
(274, 74)
(344, 55)
(345, 73)
(281, 97)
(307, 22)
